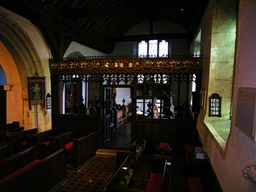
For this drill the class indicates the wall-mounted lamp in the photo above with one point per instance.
(215, 105)
(48, 101)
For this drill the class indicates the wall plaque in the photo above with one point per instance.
(245, 111)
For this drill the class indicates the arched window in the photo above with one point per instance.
(153, 48)
(143, 49)
(163, 48)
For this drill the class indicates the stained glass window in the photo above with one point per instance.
(153, 48)
(143, 49)
(163, 48)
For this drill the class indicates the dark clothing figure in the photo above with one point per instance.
(150, 108)
(80, 108)
(75, 108)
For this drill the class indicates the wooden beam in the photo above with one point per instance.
(133, 7)
(159, 36)
(46, 17)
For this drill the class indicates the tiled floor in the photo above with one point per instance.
(92, 177)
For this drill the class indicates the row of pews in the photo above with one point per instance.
(32, 161)
(128, 164)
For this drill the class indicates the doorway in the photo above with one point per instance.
(117, 117)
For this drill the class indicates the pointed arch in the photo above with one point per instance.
(19, 44)
(23, 46)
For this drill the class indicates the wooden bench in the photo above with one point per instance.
(122, 178)
(42, 140)
(160, 175)
(138, 147)
(121, 115)
(3, 138)
(189, 149)
(19, 139)
(5, 151)
(164, 149)
(14, 124)
(63, 140)
(43, 137)
(85, 147)
(18, 161)
(81, 132)
(136, 150)
(24, 171)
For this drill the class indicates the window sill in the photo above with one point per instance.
(220, 130)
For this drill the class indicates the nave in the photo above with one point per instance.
(95, 173)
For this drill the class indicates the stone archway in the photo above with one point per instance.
(27, 62)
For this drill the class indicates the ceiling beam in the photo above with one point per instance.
(159, 36)
(132, 7)
(48, 18)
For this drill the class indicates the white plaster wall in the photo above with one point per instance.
(85, 51)
(123, 93)
(242, 149)
(180, 46)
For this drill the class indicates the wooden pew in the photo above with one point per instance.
(84, 148)
(19, 139)
(122, 178)
(160, 175)
(81, 132)
(43, 137)
(136, 150)
(42, 140)
(164, 149)
(52, 171)
(14, 124)
(63, 140)
(138, 147)
(3, 138)
(24, 171)
(17, 161)
(5, 151)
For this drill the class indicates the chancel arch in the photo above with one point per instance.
(20, 60)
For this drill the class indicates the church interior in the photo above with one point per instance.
(120, 95)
